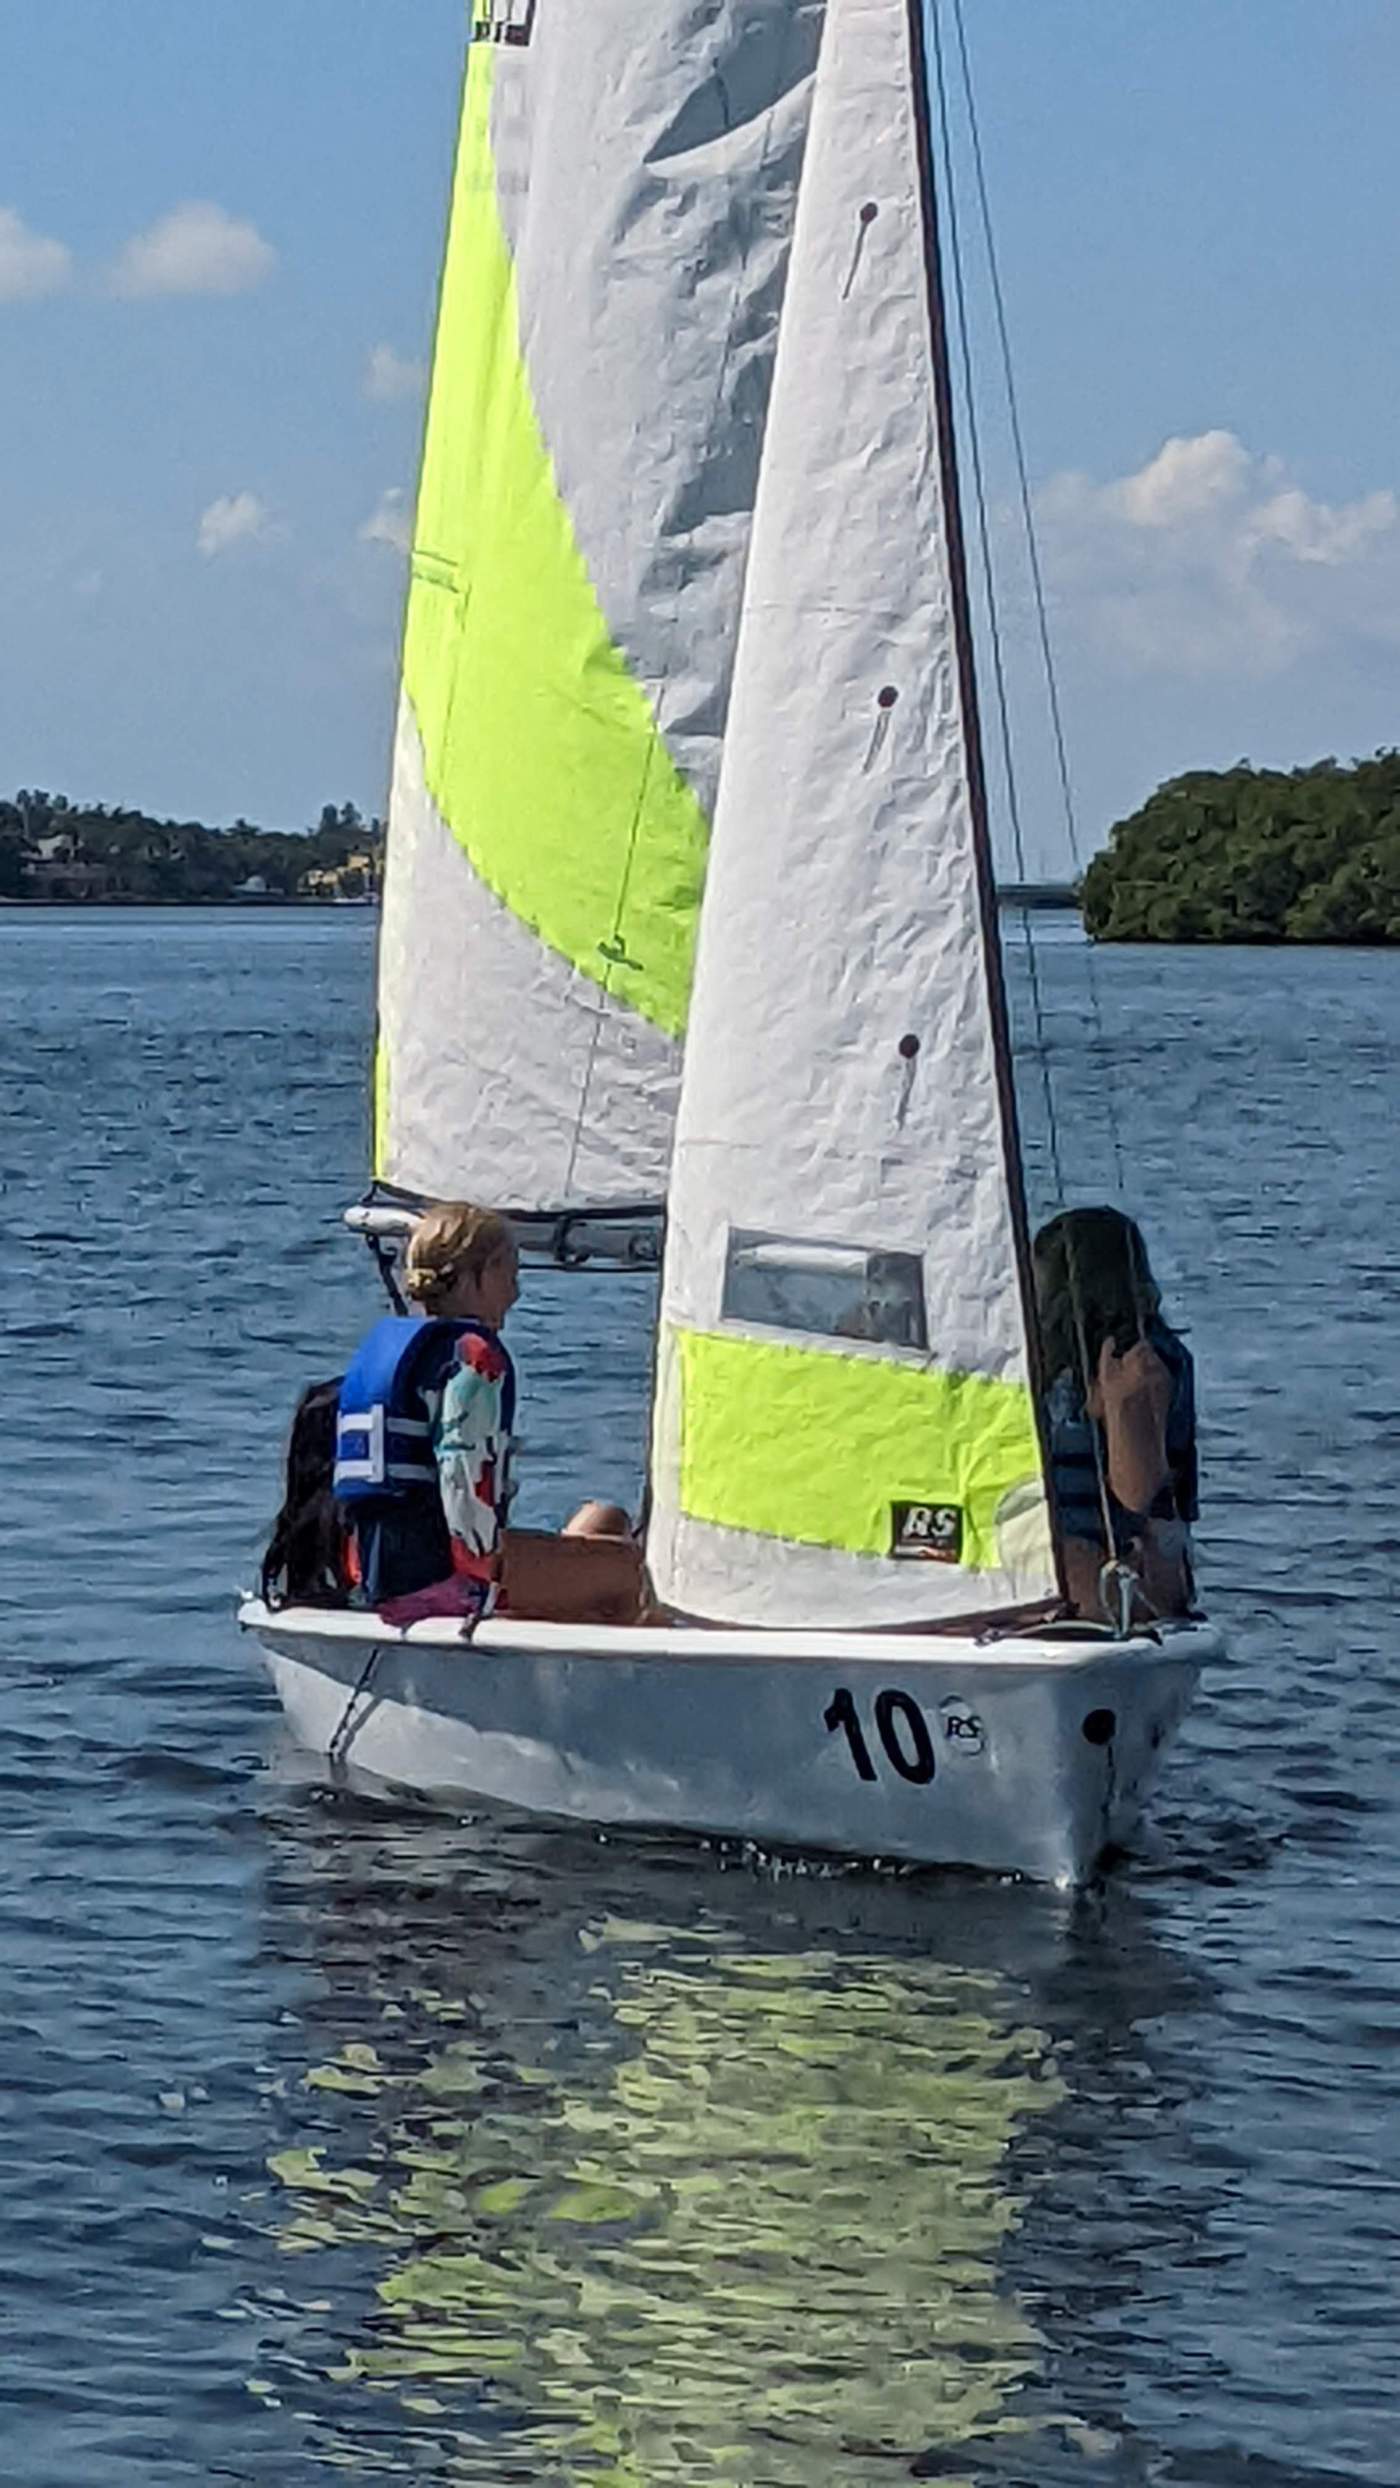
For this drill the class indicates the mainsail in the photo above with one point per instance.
(618, 248)
(845, 1428)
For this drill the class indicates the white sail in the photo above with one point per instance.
(845, 1429)
(618, 246)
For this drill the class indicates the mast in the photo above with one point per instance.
(946, 435)
(972, 715)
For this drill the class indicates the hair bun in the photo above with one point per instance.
(453, 1241)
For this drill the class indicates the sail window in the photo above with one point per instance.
(832, 1291)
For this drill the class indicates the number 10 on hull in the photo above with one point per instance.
(900, 1727)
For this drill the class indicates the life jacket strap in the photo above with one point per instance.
(366, 1441)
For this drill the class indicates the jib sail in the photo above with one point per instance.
(845, 1427)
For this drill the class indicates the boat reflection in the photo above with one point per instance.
(616, 2167)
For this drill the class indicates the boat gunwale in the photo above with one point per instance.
(1059, 1650)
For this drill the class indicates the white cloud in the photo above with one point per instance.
(1313, 531)
(197, 249)
(1187, 479)
(30, 263)
(389, 375)
(1210, 560)
(235, 518)
(391, 522)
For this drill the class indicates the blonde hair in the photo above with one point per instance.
(455, 1240)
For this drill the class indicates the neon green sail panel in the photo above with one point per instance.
(824, 1449)
(542, 754)
(620, 230)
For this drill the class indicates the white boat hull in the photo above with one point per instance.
(1025, 1756)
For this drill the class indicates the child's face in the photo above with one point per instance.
(500, 1285)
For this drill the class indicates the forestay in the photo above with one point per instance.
(845, 1428)
(614, 279)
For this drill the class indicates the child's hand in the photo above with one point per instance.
(1135, 1384)
(1134, 1392)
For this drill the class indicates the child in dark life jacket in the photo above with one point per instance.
(425, 1446)
(1120, 1408)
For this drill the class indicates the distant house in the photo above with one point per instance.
(59, 871)
(356, 880)
(253, 888)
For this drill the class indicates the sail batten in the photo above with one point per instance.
(850, 1434)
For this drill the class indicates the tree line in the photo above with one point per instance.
(1255, 855)
(1232, 855)
(53, 849)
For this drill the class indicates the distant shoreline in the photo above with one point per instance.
(189, 906)
(54, 853)
(1055, 896)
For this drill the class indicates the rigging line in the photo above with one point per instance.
(1047, 653)
(726, 357)
(351, 1719)
(615, 942)
(974, 444)
(974, 440)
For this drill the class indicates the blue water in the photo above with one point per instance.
(349, 2143)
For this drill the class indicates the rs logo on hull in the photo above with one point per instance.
(503, 21)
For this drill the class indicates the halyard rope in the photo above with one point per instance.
(994, 635)
(1047, 654)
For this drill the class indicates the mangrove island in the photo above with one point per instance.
(1255, 855)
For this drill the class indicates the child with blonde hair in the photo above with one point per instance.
(435, 1400)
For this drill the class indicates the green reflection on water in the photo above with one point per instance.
(744, 2228)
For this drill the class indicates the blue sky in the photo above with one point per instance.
(219, 234)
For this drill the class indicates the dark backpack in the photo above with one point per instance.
(306, 1564)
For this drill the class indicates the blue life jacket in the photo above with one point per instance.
(383, 1441)
(385, 1471)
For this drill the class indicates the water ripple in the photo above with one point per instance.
(348, 2141)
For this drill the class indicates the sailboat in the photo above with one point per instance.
(689, 959)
